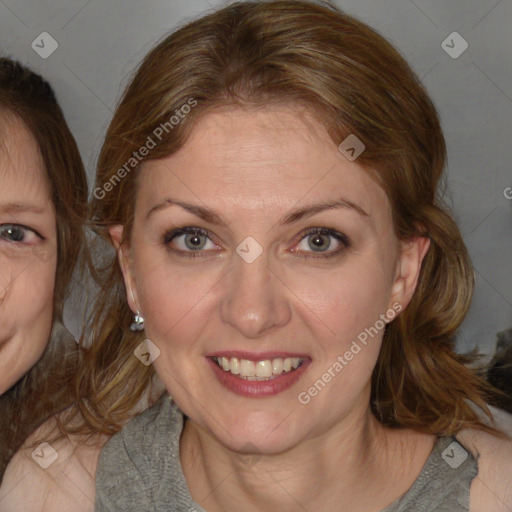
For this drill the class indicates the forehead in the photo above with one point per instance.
(269, 158)
(22, 169)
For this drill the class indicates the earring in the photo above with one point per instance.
(138, 323)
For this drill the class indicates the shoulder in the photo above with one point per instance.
(133, 462)
(48, 475)
(142, 437)
(491, 489)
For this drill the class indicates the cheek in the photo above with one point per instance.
(173, 297)
(343, 301)
(26, 315)
(26, 291)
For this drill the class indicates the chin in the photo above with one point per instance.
(262, 432)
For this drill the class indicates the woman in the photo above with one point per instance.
(299, 281)
(43, 203)
(279, 230)
(287, 270)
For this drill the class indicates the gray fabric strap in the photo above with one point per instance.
(444, 482)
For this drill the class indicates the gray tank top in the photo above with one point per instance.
(139, 470)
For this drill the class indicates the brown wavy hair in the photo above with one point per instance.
(257, 53)
(47, 388)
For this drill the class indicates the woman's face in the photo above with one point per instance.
(28, 241)
(273, 279)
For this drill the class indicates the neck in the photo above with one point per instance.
(358, 465)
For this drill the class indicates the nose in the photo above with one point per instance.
(254, 301)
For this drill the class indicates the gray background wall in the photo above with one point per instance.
(100, 43)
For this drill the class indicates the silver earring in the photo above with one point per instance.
(138, 323)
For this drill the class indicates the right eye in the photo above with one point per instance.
(17, 234)
(194, 236)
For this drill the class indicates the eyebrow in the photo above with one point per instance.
(20, 208)
(213, 217)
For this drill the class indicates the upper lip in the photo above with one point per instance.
(252, 356)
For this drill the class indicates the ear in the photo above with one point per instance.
(125, 262)
(408, 269)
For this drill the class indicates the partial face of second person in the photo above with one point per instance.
(28, 241)
(321, 279)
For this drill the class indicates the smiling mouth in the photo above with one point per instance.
(261, 370)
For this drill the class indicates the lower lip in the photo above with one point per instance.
(257, 388)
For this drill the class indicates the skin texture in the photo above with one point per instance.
(27, 254)
(242, 163)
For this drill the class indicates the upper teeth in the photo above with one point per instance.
(266, 368)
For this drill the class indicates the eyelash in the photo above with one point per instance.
(340, 237)
(24, 229)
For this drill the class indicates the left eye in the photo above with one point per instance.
(319, 240)
(18, 234)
